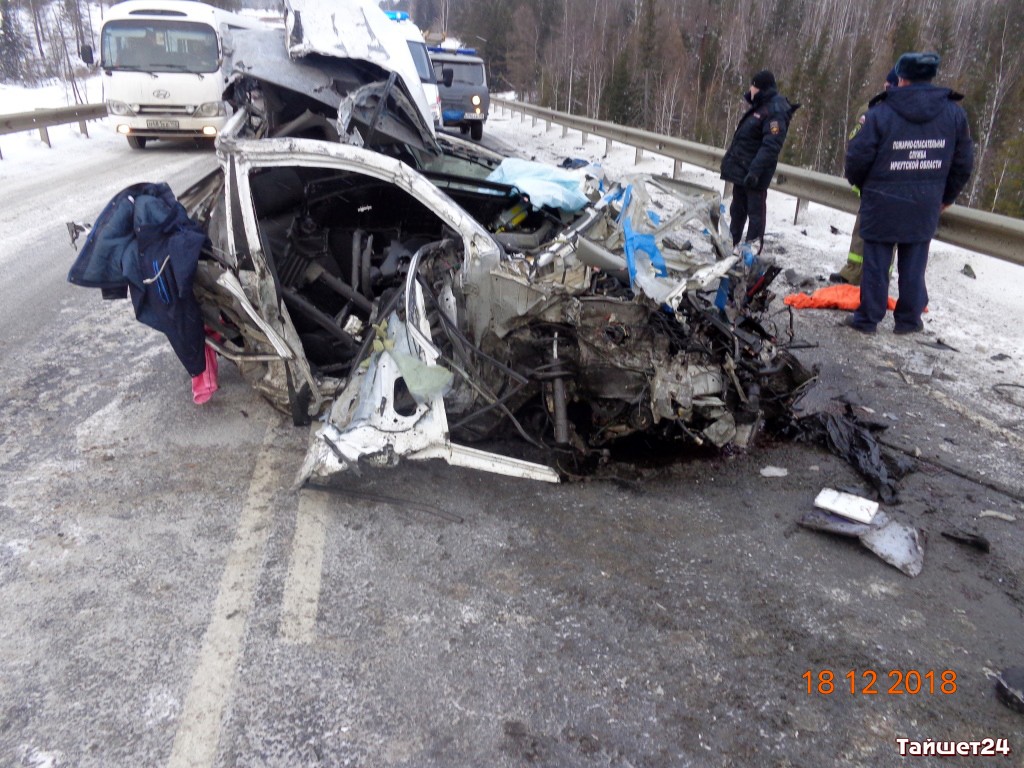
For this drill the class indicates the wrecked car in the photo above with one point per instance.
(417, 296)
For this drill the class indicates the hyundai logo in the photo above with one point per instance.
(160, 93)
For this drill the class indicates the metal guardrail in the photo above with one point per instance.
(980, 231)
(44, 118)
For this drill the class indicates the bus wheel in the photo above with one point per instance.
(476, 131)
(137, 142)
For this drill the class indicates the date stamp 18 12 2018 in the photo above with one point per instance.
(868, 682)
(933, 748)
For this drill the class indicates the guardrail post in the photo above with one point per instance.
(533, 122)
(547, 126)
(677, 169)
(44, 135)
(565, 131)
(607, 145)
(639, 156)
(83, 128)
(586, 136)
(801, 210)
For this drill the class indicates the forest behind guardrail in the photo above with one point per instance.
(680, 67)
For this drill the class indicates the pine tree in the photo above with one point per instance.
(650, 59)
(14, 46)
(620, 102)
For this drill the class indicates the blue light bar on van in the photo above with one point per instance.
(460, 51)
(397, 15)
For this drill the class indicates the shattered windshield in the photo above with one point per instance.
(159, 45)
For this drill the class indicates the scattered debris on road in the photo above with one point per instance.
(1005, 516)
(1010, 688)
(852, 507)
(898, 544)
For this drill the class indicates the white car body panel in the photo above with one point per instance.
(354, 29)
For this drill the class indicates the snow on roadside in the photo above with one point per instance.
(25, 151)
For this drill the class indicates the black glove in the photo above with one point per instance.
(750, 180)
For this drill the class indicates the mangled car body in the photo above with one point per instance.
(415, 295)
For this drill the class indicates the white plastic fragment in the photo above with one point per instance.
(997, 515)
(847, 505)
(774, 472)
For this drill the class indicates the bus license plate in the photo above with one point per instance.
(162, 124)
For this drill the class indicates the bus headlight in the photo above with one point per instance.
(476, 100)
(211, 109)
(119, 108)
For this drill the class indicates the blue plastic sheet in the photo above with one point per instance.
(545, 185)
(636, 241)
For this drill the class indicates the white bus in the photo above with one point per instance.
(418, 49)
(161, 62)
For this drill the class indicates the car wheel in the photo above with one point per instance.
(463, 129)
(477, 131)
(137, 142)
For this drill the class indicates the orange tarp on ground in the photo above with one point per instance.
(833, 297)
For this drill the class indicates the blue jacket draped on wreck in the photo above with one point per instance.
(144, 241)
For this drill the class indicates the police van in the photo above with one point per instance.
(462, 79)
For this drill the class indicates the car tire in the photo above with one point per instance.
(137, 142)
(463, 129)
(476, 131)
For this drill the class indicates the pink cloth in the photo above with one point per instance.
(205, 384)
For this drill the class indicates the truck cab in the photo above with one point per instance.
(462, 82)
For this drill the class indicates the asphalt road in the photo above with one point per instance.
(168, 600)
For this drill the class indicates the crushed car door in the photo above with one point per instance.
(336, 234)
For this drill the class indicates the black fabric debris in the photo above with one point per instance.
(1010, 688)
(846, 438)
(966, 538)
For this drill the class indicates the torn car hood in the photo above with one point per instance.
(349, 89)
(357, 30)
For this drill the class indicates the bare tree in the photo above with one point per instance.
(1005, 68)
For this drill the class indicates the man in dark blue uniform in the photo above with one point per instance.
(750, 161)
(850, 273)
(911, 159)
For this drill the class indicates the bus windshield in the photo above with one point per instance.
(159, 45)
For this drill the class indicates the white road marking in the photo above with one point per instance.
(198, 734)
(301, 599)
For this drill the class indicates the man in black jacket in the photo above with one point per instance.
(750, 161)
(911, 159)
